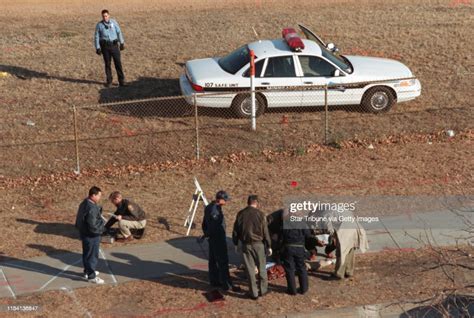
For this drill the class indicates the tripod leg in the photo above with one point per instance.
(194, 213)
(193, 202)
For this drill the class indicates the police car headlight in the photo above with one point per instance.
(406, 83)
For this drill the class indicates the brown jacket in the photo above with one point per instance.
(130, 211)
(250, 226)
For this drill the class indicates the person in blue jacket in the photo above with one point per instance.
(108, 41)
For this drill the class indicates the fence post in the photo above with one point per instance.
(252, 89)
(76, 140)
(196, 123)
(326, 115)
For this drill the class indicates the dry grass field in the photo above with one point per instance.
(46, 47)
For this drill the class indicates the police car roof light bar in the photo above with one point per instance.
(292, 39)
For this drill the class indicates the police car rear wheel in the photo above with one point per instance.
(242, 105)
(378, 99)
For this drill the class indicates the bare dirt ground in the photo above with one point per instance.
(43, 209)
(388, 277)
(46, 46)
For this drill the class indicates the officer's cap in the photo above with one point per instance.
(222, 195)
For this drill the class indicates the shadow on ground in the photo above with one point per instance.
(127, 100)
(52, 228)
(167, 100)
(451, 306)
(122, 264)
(25, 74)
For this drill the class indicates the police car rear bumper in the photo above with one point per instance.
(186, 89)
(214, 100)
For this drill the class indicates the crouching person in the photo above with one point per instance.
(129, 215)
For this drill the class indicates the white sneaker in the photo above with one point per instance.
(96, 280)
(96, 274)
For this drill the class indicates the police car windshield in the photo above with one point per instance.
(340, 61)
(233, 62)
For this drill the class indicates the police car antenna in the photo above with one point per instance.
(256, 34)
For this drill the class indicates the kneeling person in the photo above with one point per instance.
(128, 214)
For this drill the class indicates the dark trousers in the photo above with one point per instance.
(219, 263)
(110, 52)
(331, 247)
(90, 254)
(293, 262)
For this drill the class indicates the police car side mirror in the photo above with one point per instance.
(332, 47)
(337, 73)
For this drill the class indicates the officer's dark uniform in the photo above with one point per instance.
(293, 258)
(275, 225)
(213, 226)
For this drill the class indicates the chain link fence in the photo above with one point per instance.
(139, 132)
(29, 140)
(170, 129)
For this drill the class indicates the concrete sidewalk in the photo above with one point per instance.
(121, 264)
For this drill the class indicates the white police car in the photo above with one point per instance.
(285, 73)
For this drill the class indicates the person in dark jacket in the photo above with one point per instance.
(213, 227)
(251, 229)
(90, 224)
(293, 258)
(129, 216)
(275, 226)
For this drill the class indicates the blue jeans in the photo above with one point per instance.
(90, 254)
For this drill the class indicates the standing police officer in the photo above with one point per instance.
(213, 227)
(108, 39)
(293, 258)
(251, 229)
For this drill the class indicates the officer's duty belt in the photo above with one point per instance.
(108, 43)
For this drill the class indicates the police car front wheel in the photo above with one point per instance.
(242, 105)
(378, 99)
